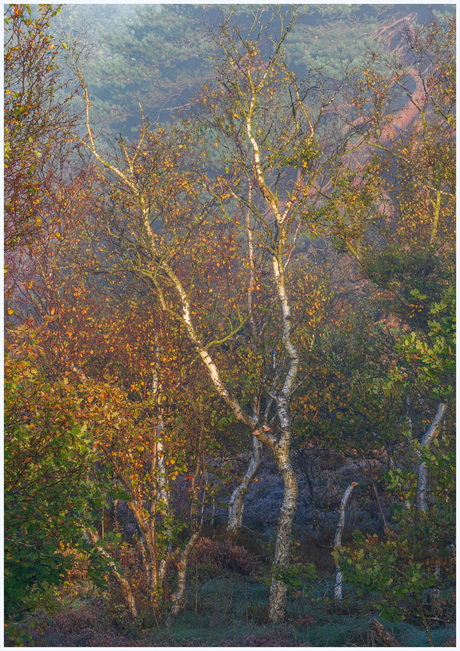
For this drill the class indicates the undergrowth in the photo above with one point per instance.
(227, 596)
(228, 585)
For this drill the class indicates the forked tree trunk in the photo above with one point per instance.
(236, 503)
(178, 597)
(250, 93)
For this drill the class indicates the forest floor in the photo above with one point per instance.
(226, 608)
(228, 581)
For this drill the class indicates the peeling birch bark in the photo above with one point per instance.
(252, 279)
(277, 602)
(281, 449)
(163, 494)
(124, 583)
(338, 539)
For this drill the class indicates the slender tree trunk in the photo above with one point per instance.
(162, 494)
(236, 504)
(338, 539)
(178, 597)
(213, 512)
(147, 541)
(277, 603)
(124, 583)
(424, 620)
(430, 435)
(147, 565)
(116, 503)
(422, 502)
(437, 209)
(281, 450)
(310, 482)
(146, 528)
(252, 277)
(146, 536)
(436, 594)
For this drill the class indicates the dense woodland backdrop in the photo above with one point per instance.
(230, 325)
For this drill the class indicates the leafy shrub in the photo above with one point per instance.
(76, 621)
(83, 627)
(223, 554)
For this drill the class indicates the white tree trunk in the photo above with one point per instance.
(178, 597)
(163, 494)
(430, 435)
(422, 502)
(236, 503)
(281, 450)
(277, 603)
(338, 539)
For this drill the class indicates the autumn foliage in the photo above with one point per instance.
(253, 305)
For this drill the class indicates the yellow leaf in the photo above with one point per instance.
(10, 311)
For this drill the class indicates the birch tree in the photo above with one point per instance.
(165, 203)
(277, 155)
